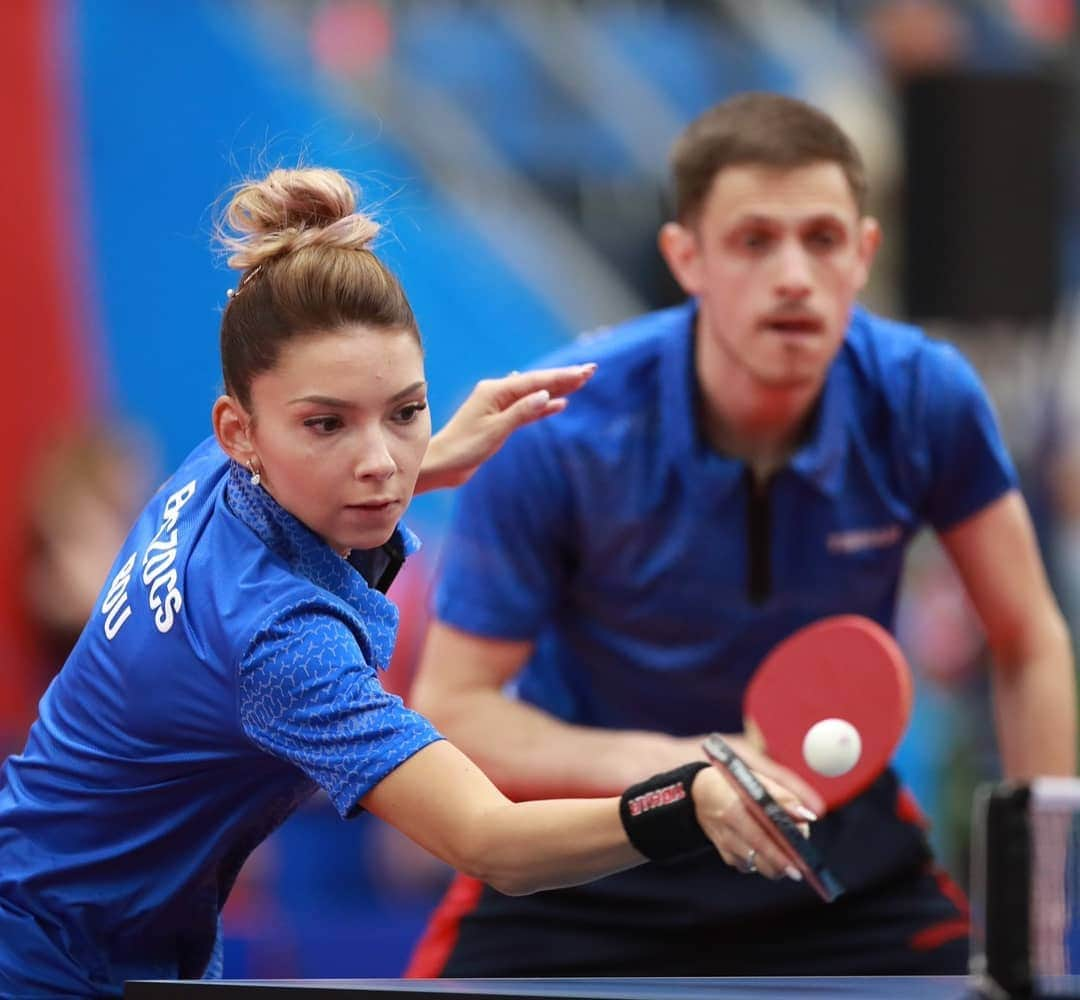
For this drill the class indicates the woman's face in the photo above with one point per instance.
(339, 429)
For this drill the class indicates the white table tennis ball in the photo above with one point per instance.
(832, 747)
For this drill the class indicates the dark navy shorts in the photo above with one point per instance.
(901, 915)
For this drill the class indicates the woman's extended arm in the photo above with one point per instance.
(445, 803)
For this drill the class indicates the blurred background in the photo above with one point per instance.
(517, 152)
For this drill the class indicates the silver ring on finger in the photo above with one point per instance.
(751, 862)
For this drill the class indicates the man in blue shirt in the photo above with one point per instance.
(740, 466)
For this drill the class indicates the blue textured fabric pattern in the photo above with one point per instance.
(308, 692)
(310, 557)
(309, 696)
(229, 670)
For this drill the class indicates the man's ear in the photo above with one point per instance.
(680, 248)
(232, 428)
(869, 237)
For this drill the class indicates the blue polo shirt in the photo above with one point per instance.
(651, 577)
(229, 671)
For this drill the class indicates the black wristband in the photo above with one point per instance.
(658, 815)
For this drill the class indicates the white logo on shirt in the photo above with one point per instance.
(115, 607)
(157, 573)
(863, 538)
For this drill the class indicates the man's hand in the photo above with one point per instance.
(494, 409)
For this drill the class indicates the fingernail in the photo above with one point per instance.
(590, 367)
(806, 814)
(793, 873)
(541, 399)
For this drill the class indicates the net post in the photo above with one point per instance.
(1001, 892)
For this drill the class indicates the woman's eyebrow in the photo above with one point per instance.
(343, 404)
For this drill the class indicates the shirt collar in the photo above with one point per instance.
(679, 438)
(305, 552)
(820, 459)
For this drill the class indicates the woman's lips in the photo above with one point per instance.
(373, 506)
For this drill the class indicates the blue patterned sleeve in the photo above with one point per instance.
(308, 695)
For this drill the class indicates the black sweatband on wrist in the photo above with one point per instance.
(659, 817)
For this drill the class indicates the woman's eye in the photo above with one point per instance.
(324, 425)
(407, 414)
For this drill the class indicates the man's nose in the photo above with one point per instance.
(793, 272)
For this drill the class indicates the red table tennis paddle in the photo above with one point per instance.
(774, 819)
(845, 667)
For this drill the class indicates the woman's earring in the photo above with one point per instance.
(256, 476)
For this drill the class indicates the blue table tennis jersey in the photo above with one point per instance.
(638, 559)
(653, 577)
(228, 672)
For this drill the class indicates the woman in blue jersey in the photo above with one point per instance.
(230, 667)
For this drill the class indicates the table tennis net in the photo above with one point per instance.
(1025, 889)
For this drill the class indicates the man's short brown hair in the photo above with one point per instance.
(759, 129)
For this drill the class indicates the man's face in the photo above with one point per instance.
(776, 258)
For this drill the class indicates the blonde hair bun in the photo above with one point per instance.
(291, 210)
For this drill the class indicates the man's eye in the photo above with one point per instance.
(824, 239)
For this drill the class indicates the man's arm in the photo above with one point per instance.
(1034, 680)
(531, 754)
(524, 750)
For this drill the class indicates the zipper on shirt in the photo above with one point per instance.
(758, 539)
(394, 554)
